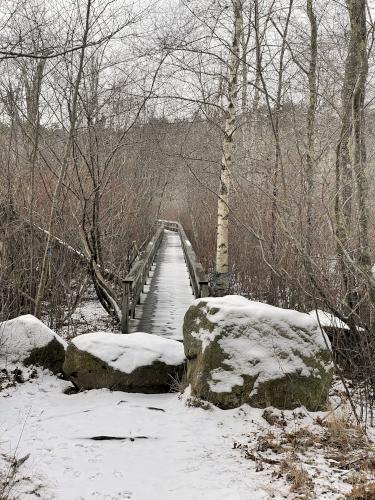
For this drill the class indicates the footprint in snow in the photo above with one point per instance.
(127, 495)
(118, 474)
(95, 476)
(97, 458)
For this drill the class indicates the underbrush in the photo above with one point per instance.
(330, 457)
(13, 375)
(11, 477)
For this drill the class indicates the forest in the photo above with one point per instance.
(249, 122)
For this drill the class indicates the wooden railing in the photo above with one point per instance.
(134, 282)
(198, 278)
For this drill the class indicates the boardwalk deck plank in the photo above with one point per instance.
(168, 293)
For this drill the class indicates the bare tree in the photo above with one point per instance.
(65, 161)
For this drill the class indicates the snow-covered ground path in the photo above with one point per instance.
(168, 293)
(170, 451)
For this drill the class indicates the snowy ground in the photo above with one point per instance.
(88, 317)
(170, 451)
(113, 445)
(160, 448)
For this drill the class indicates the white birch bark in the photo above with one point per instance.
(221, 284)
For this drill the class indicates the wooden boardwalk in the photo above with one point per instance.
(167, 294)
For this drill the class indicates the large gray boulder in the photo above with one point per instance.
(239, 351)
(137, 362)
(27, 340)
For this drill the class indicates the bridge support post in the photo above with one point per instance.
(125, 307)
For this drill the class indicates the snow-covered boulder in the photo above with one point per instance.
(343, 343)
(137, 362)
(328, 321)
(27, 340)
(240, 351)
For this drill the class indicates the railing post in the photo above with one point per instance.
(125, 306)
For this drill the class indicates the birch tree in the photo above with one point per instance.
(221, 280)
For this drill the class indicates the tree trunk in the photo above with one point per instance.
(33, 91)
(274, 284)
(311, 123)
(351, 178)
(221, 280)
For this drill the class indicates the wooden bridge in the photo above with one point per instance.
(163, 281)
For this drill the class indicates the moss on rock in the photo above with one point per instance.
(51, 356)
(299, 378)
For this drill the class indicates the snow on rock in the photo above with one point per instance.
(328, 320)
(134, 362)
(242, 351)
(128, 352)
(27, 340)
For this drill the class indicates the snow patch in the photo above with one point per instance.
(224, 381)
(238, 309)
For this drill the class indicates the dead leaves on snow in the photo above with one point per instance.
(332, 450)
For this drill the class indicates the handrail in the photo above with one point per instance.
(170, 225)
(198, 278)
(135, 280)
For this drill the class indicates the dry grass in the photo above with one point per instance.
(344, 435)
(334, 449)
(362, 492)
(12, 480)
(269, 441)
(273, 418)
(301, 439)
(178, 383)
(193, 402)
(299, 479)
(9, 477)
